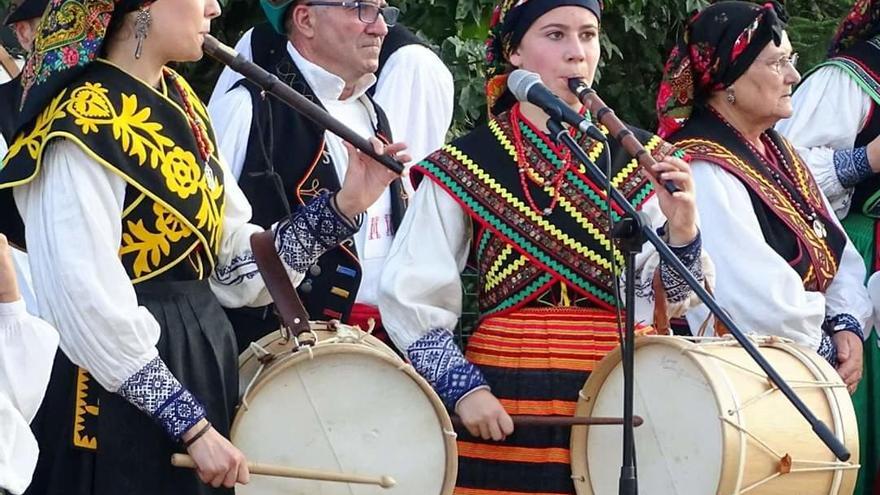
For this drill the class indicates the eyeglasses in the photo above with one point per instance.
(782, 62)
(368, 12)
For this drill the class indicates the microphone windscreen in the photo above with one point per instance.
(520, 82)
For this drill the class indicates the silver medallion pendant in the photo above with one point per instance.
(210, 178)
(819, 228)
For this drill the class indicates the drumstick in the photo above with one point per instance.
(185, 461)
(528, 420)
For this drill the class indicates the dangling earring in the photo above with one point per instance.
(142, 23)
(731, 96)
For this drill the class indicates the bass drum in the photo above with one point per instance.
(714, 424)
(346, 404)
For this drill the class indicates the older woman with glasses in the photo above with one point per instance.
(784, 265)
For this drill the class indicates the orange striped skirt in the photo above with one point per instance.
(536, 361)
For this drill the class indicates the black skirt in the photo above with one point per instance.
(93, 442)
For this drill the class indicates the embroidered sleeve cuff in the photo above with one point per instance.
(828, 350)
(436, 357)
(852, 166)
(155, 391)
(843, 322)
(312, 230)
(690, 255)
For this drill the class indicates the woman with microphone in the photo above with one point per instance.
(521, 210)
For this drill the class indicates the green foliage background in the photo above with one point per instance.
(637, 35)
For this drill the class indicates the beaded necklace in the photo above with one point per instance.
(527, 173)
(196, 124)
(804, 207)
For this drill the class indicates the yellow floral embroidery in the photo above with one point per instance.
(182, 173)
(91, 108)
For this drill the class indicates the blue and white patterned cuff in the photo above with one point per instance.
(437, 358)
(155, 391)
(852, 166)
(677, 290)
(843, 322)
(312, 230)
(828, 349)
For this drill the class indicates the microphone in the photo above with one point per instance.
(527, 86)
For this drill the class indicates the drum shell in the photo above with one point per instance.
(745, 412)
(290, 440)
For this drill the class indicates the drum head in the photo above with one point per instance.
(679, 447)
(714, 424)
(346, 408)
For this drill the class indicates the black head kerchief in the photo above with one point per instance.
(720, 43)
(23, 10)
(510, 21)
(70, 36)
(860, 24)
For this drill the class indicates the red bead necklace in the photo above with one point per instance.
(197, 125)
(527, 173)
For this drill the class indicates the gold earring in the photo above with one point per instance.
(142, 23)
(731, 96)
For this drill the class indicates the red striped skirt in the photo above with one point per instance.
(536, 361)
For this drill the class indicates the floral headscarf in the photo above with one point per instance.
(69, 37)
(510, 21)
(720, 43)
(862, 23)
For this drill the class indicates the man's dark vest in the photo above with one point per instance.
(296, 148)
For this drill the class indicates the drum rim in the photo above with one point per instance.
(292, 359)
(820, 369)
(580, 434)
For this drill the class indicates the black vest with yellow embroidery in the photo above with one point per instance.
(173, 211)
(521, 253)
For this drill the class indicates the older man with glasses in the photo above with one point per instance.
(328, 51)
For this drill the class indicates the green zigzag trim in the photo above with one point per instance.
(482, 247)
(478, 208)
(519, 296)
(598, 201)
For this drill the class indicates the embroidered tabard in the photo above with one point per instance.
(707, 138)
(519, 252)
(174, 202)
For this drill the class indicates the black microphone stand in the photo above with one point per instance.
(632, 231)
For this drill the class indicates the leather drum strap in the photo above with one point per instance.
(293, 314)
(8, 63)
